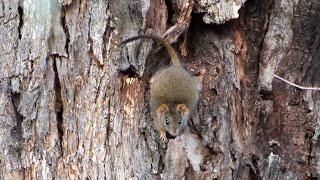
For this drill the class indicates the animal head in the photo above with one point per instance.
(173, 119)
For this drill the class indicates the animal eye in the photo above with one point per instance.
(179, 121)
(167, 121)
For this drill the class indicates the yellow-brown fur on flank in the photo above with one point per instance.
(173, 94)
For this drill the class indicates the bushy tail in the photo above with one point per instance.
(172, 53)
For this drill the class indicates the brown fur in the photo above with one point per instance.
(174, 94)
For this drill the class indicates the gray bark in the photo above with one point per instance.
(73, 105)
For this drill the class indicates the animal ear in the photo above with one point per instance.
(161, 110)
(183, 108)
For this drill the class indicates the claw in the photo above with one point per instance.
(163, 137)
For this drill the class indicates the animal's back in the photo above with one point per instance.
(173, 85)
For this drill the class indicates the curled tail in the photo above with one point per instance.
(172, 53)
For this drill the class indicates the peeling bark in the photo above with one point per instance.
(218, 11)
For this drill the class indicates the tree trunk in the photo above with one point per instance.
(75, 106)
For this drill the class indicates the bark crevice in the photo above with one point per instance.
(17, 131)
(20, 12)
(65, 30)
(58, 105)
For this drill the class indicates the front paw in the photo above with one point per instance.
(163, 136)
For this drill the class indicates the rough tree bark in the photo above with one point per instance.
(74, 106)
